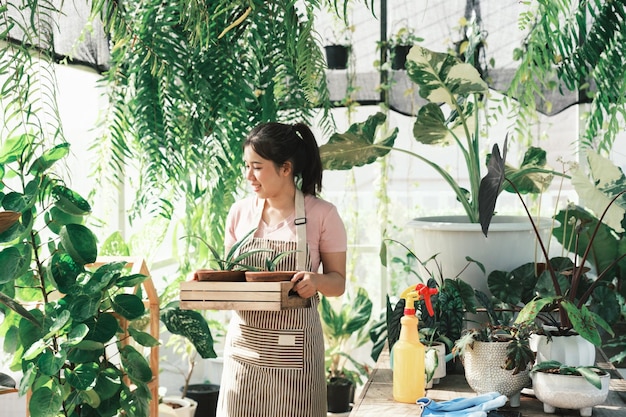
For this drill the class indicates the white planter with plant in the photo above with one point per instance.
(454, 115)
(570, 387)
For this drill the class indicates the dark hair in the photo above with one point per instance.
(279, 143)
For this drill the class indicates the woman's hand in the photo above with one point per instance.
(305, 284)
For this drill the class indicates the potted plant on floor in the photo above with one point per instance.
(64, 317)
(563, 287)
(572, 387)
(192, 328)
(344, 331)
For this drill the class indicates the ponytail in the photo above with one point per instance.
(296, 143)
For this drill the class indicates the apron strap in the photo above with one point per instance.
(300, 222)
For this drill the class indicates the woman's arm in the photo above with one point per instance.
(331, 283)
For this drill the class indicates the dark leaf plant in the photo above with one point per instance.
(566, 290)
(64, 318)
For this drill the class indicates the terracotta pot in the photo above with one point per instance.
(484, 371)
(269, 276)
(219, 275)
(568, 391)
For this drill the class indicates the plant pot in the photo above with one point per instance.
(484, 371)
(399, 56)
(219, 275)
(572, 349)
(511, 243)
(269, 276)
(206, 396)
(568, 391)
(440, 370)
(172, 406)
(337, 56)
(338, 394)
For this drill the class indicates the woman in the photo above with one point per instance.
(274, 360)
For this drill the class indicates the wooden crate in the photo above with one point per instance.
(214, 295)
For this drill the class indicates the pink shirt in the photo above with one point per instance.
(325, 231)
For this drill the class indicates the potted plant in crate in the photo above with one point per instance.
(230, 267)
(64, 317)
(562, 287)
(344, 331)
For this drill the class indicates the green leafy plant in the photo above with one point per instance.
(518, 352)
(442, 78)
(590, 373)
(404, 36)
(64, 318)
(454, 298)
(562, 286)
(193, 329)
(344, 331)
(232, 260)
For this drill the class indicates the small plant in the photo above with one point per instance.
(405, 36)
(272, 263)
(519, 353)
(232, 260)
(190, 327)
(590, 373)
(344, 331)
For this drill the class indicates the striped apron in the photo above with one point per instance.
(274, 360)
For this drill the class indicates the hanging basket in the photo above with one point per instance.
(399, 56)
(337, 56)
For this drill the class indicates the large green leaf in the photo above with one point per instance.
(102, 328)
(80, 243)
(70, 201)
(136, 365)
(441, 77)
(190, 324)
(129, 306)
(361, 144)
(64, 272)
(109, 383)
(83, 376)
(49, 157)
(583, 322)
(358, 312)
(45, 402)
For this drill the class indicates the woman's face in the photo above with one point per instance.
(265, 178)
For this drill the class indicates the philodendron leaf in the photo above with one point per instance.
(360, 145)
(490, 186)
(49, 157)
(430, 126)
(46, 402)
(128, 306)
(442, 77)
(70, 201)
(606, 181)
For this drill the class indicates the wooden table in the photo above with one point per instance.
(376, 399)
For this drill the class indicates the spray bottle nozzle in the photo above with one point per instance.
(412, 294)
(425, 293)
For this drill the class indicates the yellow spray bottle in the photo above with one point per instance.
(409, 373)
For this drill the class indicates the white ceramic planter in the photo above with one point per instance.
(573, 350)
(180, 407)
(484, 371)
(568, 391)
(440, 371)
(510, 243)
